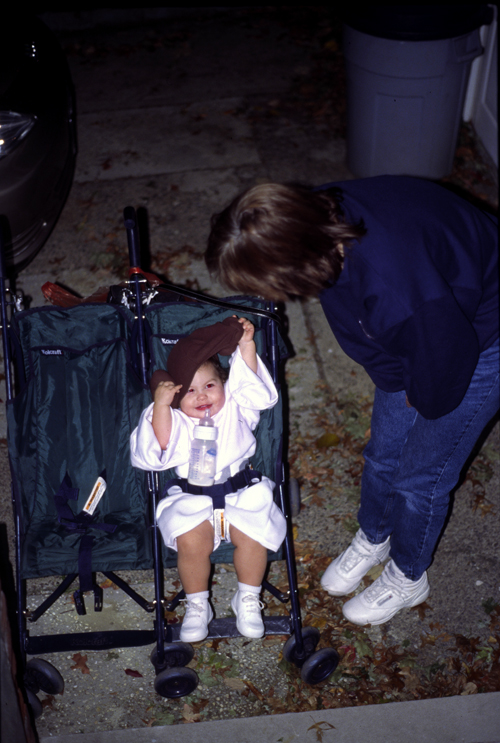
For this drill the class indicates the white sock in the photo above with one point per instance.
(245, 588)
(200, 595)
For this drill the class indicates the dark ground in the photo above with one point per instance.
(448, 646)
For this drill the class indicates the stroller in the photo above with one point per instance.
(81, 383)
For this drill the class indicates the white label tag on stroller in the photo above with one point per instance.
(219, 525)
(95, 496)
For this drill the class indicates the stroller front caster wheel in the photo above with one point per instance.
(40, 674)
(176, 682)
(310, 638)
(176, 654)
(319, 666)
(34, 703)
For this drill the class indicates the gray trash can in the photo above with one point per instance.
(407, 70)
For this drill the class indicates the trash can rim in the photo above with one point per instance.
(418, 22)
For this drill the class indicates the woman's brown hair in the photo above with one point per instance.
(280, 241)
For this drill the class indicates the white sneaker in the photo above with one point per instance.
(195, 623)
(344, 574)
(248, 609)
(389, 593)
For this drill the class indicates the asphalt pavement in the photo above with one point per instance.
(177, 112)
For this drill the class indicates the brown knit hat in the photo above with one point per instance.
(190, 352)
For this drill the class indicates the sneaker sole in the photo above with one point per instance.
(198, 638)
(419, 600)
(330, 592)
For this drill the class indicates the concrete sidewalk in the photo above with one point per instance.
(177, 113)
(469, 719)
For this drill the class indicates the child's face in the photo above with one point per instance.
(206, 392)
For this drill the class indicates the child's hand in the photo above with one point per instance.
(165, 393)
(247, 344)
(248, 331)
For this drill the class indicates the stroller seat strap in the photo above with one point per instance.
(219, 490)
(80, 524)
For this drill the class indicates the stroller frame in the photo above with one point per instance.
(169, 656)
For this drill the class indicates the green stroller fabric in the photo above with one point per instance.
(73, 417)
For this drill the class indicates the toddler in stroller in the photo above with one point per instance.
(189, 515)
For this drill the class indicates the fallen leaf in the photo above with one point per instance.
(80, 663)
(273, 640)
(421, 609)
(319, 728)
(48, 701)
(315, 500)
(255, 691)
(327, 440)
(467, 644)
(201, 704)
(469, 688)
(189, 714)
(235, 684)
(412, 681)
(427, 640)
(134, 674)
(318, 622)
(362, 648)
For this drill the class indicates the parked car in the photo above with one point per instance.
(37, 136)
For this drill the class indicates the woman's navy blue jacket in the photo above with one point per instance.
(417, 299)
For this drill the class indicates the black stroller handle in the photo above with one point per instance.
(130, 221)
(134, 257)
(199, 297)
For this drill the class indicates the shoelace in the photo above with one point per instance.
(193, 607)
(356, 552)
(252, 603)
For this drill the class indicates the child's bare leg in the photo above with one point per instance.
(249, 558)
(193, 563)
(193, 557)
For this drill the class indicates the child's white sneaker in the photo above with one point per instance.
(344, 574)
(248, 609)
(389, 593)
(195, 623)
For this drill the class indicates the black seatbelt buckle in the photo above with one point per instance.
(98, 597)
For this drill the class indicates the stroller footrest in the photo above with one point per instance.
(226, 627)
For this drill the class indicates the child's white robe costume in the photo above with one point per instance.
(252, 509)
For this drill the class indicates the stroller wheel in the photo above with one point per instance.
(319, 666)
(310, 638)
(294, 496)
(34, 703)
(176, 682)
(40, 674)
(176, 654)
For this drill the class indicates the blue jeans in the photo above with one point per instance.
(412, 464)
